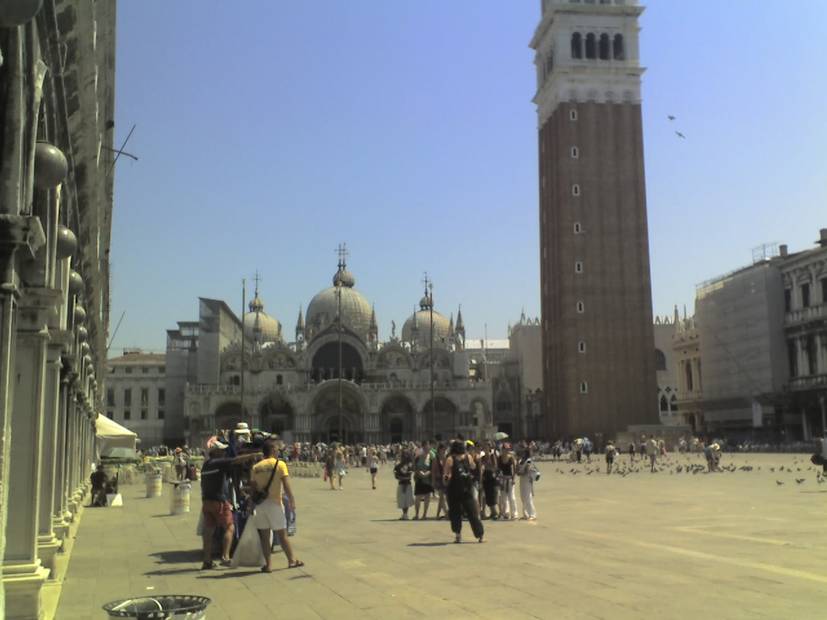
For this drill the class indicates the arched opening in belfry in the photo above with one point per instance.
(591, 46)
(664, 404)
(326, 363)
(577, 45)
(617, 44)
(604, 47)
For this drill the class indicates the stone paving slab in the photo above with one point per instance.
(673, 545)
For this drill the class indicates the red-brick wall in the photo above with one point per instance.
(615, 285)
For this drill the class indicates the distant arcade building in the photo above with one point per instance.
(598, 348)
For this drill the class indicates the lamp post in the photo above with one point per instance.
(339, 338)
(243, 338)
(430, 293)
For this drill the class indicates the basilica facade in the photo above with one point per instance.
(335, 380)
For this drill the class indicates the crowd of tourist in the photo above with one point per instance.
(245, 481)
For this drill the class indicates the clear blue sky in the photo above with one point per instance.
(269, 131)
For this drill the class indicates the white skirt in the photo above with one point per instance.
(404, 496)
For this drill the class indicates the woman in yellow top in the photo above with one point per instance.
(269, 514)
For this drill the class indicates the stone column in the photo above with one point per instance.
(822, 401)
(60, 524)
(47, 543)
(801, 356)
(805, 430)
(20, 238)
(23, 574)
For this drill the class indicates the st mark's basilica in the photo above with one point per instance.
(292, 387)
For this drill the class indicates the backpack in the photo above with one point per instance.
(463, 475)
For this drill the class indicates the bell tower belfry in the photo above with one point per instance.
(598, 345)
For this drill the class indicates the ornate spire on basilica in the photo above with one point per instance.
(373, 329)
(459, 330)
(300, 329)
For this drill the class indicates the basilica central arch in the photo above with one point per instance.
(326, 416)
(276, 414)
(441, 419)
(397, 419)
(326, 363)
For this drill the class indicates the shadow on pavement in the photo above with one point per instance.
(430, 544)
(172, 571)
(190, 556)
(229, 574)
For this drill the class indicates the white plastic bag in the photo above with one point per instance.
(248, 551)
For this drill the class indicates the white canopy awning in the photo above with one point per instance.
(110, 435)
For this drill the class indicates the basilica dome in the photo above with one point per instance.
(417, 329)
(260, 327)
(356, 310)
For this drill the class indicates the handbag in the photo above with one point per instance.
(260, 496)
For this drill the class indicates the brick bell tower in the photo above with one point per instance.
(598, 343)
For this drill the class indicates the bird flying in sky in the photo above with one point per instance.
(680, 135)
(670, 117)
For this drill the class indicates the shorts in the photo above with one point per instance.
(373, 470)
(269, 515)
(217, 513)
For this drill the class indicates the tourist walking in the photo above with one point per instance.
(611, 453)
(340, 465)
(458, 479)
(527, 472)
(403, 471)
(372, 463)
(422, 481)
(270, 477)
(508, 473)
(329, 467)
(652, 452)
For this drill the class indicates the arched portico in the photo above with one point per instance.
(276, 414)
(227, 415)
(332, 423)
(397, 419)
(440, 420)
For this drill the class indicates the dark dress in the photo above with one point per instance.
(461, 498)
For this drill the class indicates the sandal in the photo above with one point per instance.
(295, 564)
(264, 569)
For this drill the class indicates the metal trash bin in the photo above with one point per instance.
(163, 607)
(154, 484)
(180, 498)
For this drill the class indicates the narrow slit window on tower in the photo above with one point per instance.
(581, 346)
(617, 44)
(575, 152)
(575, 190)
(604, 47)
(578, 266)
(572, 114)
(591, 46)
(584, 387)
(581, 307)
(577, 228)
(577, 45)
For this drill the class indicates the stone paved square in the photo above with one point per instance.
(671, 545)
